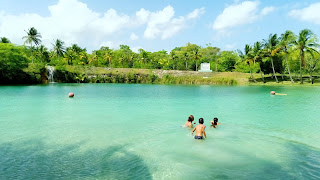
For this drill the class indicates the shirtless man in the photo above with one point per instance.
(200, 130)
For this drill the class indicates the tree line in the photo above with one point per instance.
(275, 55)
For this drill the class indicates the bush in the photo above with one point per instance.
(14, 67)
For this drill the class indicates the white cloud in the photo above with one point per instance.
(308, 14)
(162, 24)
(157, 22)
(142, 16)
(239, 14)
(267, 10)
(235, 15)
(133, 37)
(74, 22)
(196, 13)
(69, 20)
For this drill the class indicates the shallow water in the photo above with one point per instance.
(132, 131)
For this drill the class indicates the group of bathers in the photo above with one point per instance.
(201, 134)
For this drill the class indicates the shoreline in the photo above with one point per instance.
(159, 76)
(91, 74)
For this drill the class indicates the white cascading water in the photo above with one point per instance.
(50, 70)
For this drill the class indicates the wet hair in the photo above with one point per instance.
(215, 121)
(190, 118)
(201, 121)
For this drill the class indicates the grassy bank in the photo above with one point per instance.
(128, 75)
(80, 74)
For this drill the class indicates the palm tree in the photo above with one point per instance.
(94, 58)
(257, 56)
(185, 55)
(311, 64)
(42, 53)
(77, 49)
(197, 56)
(271, 49)
(108, 57)
(173, 58)
(247, 57)
(287, 40)
(70, 55)
(33, 36)
(193, 53)
(83, 56)
(59, 48)
(4, 40)
(306, 43)
(144, 57)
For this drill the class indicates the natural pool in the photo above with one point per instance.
(132, 131)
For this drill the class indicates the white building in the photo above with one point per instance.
(205, 67)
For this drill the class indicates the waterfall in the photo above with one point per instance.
(50, 70)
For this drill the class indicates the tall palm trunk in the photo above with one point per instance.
(311, 78)
(261, 74)
(173, 64)
(196, 66)
(251, 74)
(274, 72)
(301, 56)
(31, 53)
(289, 68)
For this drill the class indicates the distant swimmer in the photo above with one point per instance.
(189, 122)
(215, 122)
(200, 130)
(274, 93)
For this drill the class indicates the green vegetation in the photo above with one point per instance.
(14, 67)
(277, 59)
(32, 37)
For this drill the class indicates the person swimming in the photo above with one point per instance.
(215, 122)
(189, 121)
(200, 130)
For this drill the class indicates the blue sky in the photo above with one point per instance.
(156, 25)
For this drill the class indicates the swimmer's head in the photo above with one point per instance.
(191, 118)
(215, 119)
(201, 121)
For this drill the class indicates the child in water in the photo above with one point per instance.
(215, 122)
(200, 130)
(189, 122)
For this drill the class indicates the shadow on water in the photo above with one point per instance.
(299, 162)
(35, 160)
(305, 161)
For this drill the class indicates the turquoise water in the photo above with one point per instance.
(129, 131)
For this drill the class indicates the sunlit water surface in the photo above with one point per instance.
(121, 131)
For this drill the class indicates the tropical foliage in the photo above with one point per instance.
(33, 36)
(288, 54)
